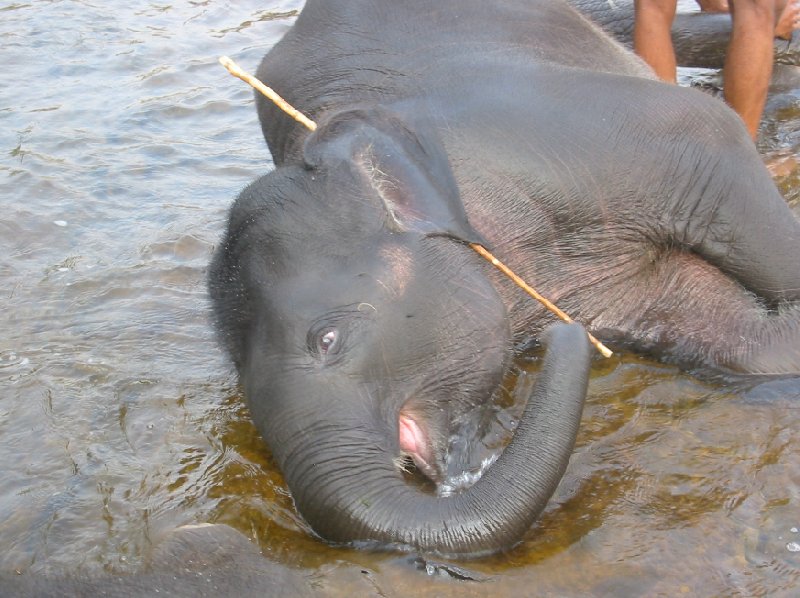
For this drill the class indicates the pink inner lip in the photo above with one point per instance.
(414, 442)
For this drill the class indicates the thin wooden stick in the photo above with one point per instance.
(486, 254)
(234, 70)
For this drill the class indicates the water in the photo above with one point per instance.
(122, 143)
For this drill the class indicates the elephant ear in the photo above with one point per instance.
(410, 172)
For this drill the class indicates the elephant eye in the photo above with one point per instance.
(327, 341)
(324, 342)
(329, 338)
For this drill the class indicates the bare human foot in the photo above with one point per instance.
(713, 5)
(789, 21)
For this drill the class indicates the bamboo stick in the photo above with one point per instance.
(486, 254)
(234, 70)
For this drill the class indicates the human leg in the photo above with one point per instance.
(652, 39)
(748, 63)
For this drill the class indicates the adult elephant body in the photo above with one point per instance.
(363, 325)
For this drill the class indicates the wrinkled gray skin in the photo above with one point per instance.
(700, 39)
(363, 325)
(190, 562)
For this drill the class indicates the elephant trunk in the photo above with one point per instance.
(364, 498)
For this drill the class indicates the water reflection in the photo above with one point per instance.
(122, 144)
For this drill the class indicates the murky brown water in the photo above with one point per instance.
(122, 143)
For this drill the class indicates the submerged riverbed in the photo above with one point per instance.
(122, 144)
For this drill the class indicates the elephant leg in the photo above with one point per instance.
(692, 314)
(747, 231)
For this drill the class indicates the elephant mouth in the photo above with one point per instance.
(415, 442)
(452, 450)
(453, 442)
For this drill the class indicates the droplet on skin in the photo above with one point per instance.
(793, 547)
(60, 222)
(794, 530)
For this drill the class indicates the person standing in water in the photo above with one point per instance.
(748, 62)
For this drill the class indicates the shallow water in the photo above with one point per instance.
(122, 143)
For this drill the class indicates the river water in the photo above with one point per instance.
(122, 143)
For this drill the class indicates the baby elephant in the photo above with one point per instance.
(365, 328)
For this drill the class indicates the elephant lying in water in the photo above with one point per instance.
(364, 327)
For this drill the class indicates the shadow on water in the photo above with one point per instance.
(122, 144)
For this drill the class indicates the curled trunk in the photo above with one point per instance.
(363, 498)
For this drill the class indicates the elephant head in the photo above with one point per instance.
(363, 327)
